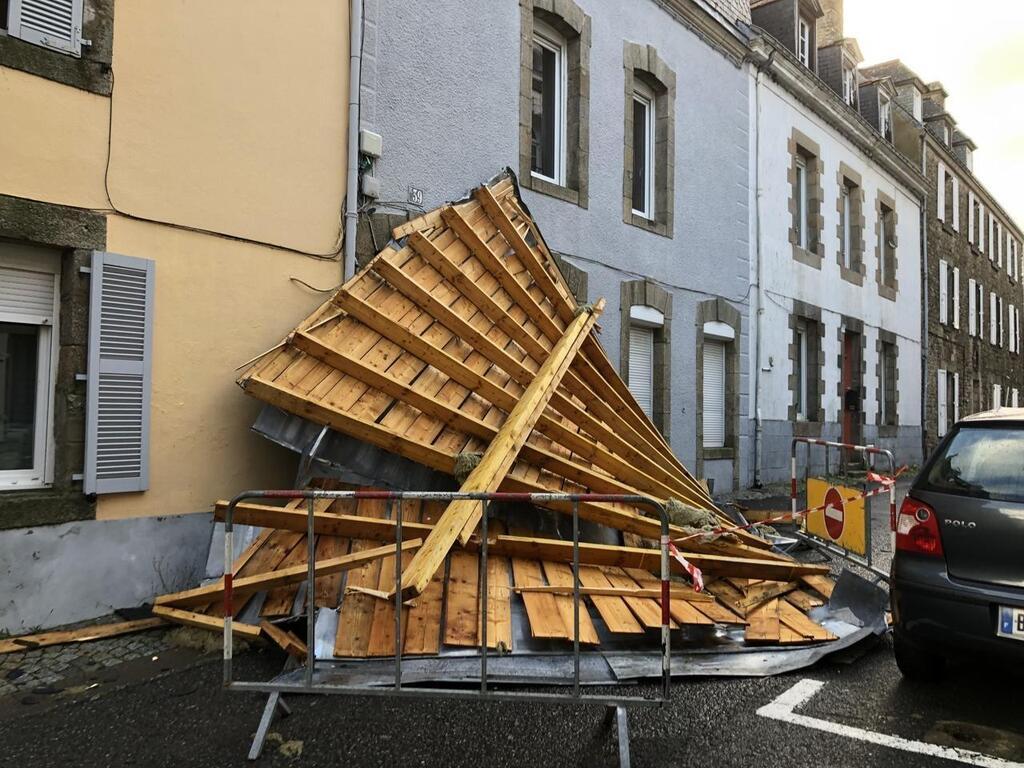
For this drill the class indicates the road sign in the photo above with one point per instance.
(839, 516)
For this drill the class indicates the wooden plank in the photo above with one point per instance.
(729, 595)
(250, 584)
(382, 630)
(81, 635)
(805, 601)
(765, 590)
(192, 619)
(423, 635)
(681, 611)
(763, 626)
(460, 518)
(355, 619)
(795, 619)
(348, 526)
(647, 559)
(463, 608)
(499, 597)
(286, 640)
(613, 610)
(328, 588)
(626, 588)
(541, 608)
(560, 575)
(647, 611)
(279, 601)
(823, 585)
(267, 558)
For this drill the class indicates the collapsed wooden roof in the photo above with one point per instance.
(428, 350)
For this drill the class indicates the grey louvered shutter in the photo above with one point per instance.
(55, 24)
(120, 365)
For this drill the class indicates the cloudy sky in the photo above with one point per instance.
(976, 49)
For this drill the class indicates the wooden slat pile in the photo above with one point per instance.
(461, 344)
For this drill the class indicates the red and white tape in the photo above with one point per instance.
(695, 575)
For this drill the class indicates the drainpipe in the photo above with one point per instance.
(924, 303)
(758, 425)
(355, 46)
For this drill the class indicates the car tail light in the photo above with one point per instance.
(917, 529)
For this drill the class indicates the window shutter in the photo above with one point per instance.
(120, 365)
(641, 367)
(1002, 324)
(940, 401)
(940, 200)
(981, 311)
(970, 216)
(956, 297)
(55, 24)
(972, 308)
(956, 397)
(997, 396)
(714, 394)
(943, 292)
(993, 320)
(981, 228)
(956, 204)
(1014, 395)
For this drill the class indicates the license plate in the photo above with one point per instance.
(1011, 623)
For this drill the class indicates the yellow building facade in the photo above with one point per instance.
(207, 141)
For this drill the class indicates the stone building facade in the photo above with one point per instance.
(974, 290)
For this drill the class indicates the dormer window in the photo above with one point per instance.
(969, 158)
(850, 86)
(946, 135)
(918, 105)
(885, 116)
(803, 42)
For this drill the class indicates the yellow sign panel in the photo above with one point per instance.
(841, 519)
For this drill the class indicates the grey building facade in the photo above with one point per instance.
(628, 130)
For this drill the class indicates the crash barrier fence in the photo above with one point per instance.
(844, 528)
(312, 684)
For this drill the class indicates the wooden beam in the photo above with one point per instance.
(287, 641)
(461, 517)
(81, 635)
(349, 526)
(296, 573)
(676, 594)
(202, 621)
(648, 559)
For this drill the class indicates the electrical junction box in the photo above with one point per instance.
(370, 143)
(371, 186)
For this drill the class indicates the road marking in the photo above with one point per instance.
(783, 708)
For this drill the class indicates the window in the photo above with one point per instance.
(941, 194)
(918, 105)
(997, 396)
(643, 151)
(945, 134)
(983, 462)
(846, 215)
(949, 294)
(850, 86)
(976, 223)
(885, 116)
(3, 14)
(548, 129)
(641, 366)
(887, 244)
(949, 200)
(993, 319)
(887, 384)
(714, 394)
(999, 245)
(802, 228)
(53, 25)
(29, 305)
(947, 400)
(804, 42)
(975, 309)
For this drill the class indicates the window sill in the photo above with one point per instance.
(888, 292)
(717, 454)
(550, 188)
(806, 428)
(888, 430)
(25, 508)
(853, 276)
(655, 226)
(809, 258)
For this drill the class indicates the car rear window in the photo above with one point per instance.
(983, 462)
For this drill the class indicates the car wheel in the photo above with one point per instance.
(915, 662)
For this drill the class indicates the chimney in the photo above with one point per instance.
(936, 94)
(830, 26)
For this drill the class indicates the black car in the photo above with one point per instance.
(957, 588)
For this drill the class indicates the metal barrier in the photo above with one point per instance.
(310, 686)
(888, 486)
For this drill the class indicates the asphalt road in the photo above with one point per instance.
(182, 717)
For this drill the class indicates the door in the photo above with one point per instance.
(851, 386)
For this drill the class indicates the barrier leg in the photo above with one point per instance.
(618, 712)
(274, 703)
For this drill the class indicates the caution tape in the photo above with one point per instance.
(695, 574)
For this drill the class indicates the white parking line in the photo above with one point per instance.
(783, 708)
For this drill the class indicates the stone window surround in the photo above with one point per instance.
(852, 325)
(570, 20)
(891, 289)
(855, 274)
(91, 72)
(647, 293)
(641, 62)
(809, 314)
(886, 337)
(719, 310)
(76, 233)
(800, 143)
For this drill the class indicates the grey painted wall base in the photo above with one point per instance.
(54, 575)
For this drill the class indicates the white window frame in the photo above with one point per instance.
(849, 80)
(650, 319)
(30, 258)
(646, 97)
(803, 42)
(723, 345)
(884, 115)
(918, 105)
(845, 194)
(801, 359)
(547, 37)
(943, 292)
(802, 219)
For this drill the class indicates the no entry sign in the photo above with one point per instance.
(834, 514)
(838, 517)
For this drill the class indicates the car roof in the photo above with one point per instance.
(996, 415)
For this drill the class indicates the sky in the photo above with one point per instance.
(975, 48)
